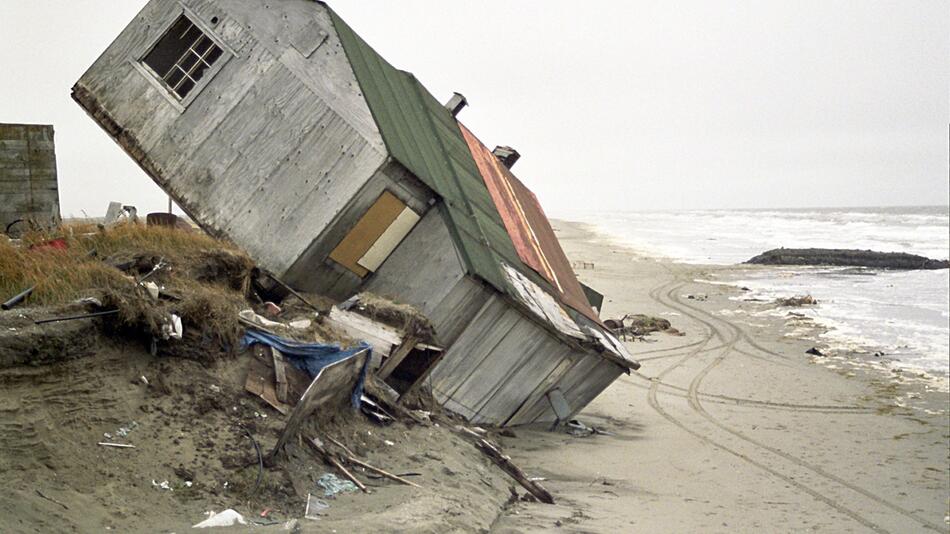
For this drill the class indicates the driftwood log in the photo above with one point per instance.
(506, 465)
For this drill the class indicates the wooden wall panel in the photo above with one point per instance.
(422, 270)
(367, 230)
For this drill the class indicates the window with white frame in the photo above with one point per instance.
(182, 57)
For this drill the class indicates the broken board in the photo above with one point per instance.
(331, 388)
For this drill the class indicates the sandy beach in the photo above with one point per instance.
(733, 427)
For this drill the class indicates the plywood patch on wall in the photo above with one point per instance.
(378, 232)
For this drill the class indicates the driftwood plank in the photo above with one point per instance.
(280, 376)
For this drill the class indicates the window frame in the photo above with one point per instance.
(138, 60)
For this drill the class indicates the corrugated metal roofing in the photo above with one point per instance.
(528, 227)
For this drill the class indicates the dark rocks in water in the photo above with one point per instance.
(797, 302)
(814, 352)
(846, 257)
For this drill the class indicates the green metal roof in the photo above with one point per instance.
(424, 137)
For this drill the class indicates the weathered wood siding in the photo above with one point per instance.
(423, 270)
(501, 365)
(28, 186)
(276, 145)
(314, 271)
(580, 377)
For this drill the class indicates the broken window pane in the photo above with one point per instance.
(182, 56)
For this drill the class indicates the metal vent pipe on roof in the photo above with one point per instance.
(456, 103)
(507, 155)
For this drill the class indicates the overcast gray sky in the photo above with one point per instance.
(616, 105)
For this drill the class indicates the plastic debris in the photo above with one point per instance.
(152, 289)
(125, 430)
(172, 328)
(162, 485)
(226, 518)
(301, 324)
(333, 485)
(314, 507)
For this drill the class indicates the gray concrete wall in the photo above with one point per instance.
(272, 150)
(28, 184)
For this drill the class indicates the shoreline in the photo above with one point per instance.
(733, 427)
(825, 331)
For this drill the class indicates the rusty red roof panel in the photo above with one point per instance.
(529, 228)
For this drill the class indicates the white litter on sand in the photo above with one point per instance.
(226, 518)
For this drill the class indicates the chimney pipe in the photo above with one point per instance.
(456, 103)
(507, 155)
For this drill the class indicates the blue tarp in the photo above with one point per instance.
(312, 357)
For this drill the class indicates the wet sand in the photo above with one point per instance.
(733, 427)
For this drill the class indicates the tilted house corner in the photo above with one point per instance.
(275, 125)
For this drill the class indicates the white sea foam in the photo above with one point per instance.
(905, 314)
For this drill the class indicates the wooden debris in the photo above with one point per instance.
(116, 445)
(334, 382)
(280, 376)
(351, 458)
(397, 356)
(332, 460)
(292, 291)
(260, 382)
(414, 388)
(505, 463)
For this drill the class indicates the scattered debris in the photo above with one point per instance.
(225, 518)
(50, 499)
(116, 445)
(315, 506)
(505, 463)
(162, 485)
(636, 325)
(76, 317)
(333, 485)
(18, 298)
(351, 458)
(579, 429)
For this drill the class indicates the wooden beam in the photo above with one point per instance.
(422, 378)
(505, 463)
(408, 343)
(280, 375)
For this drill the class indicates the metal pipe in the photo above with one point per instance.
(75, 317)
(17, 299)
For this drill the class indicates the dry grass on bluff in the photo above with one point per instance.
(205, 280)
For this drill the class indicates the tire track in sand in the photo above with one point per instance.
(694, 401)
(655, 404)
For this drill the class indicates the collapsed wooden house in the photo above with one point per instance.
(275, 125)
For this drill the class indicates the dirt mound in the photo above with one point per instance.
(187, 422)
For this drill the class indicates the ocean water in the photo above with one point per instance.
(904, 314)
